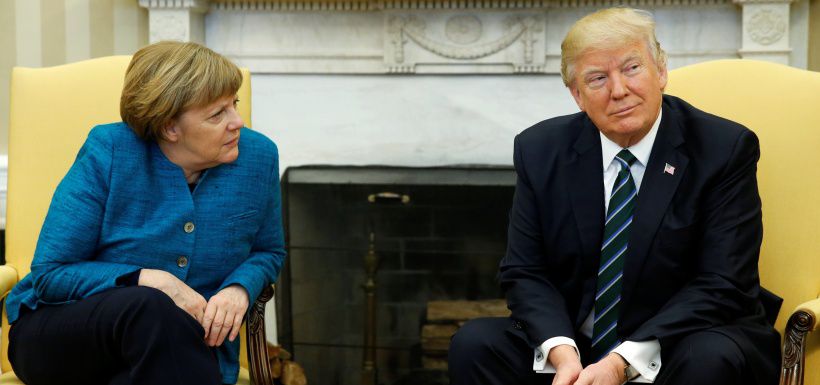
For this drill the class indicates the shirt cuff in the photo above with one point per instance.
(540, 363)
(644, 356)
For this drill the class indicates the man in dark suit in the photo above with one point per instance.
(634, 235)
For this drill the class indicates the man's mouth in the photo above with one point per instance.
(624, 111)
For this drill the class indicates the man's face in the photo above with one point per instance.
(620, 90)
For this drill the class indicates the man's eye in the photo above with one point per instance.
(596, 81)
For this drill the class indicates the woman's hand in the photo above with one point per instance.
(183, 296)
(224, 314)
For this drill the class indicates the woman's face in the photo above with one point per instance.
(207, 136)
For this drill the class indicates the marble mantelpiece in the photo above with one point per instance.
(464, 37)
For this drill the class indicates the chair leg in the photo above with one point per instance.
(794, 347)
(260, 370)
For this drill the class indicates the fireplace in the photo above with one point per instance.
(438, 234)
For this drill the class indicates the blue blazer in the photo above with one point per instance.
(123, 206)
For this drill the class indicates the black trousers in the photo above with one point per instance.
(484, 352)
(124, 336)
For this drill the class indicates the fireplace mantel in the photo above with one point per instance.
(460, 36)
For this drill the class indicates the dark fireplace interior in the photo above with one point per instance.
(438, 234)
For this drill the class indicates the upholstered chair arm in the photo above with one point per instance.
(260, 370)
(801, 322)
(8, 278)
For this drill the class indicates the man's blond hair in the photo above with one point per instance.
(607, 29)
(166, 78)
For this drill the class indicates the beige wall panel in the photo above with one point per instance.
(814, 35)
(28, 33)
(130, 22)
(102, 27)
(77, 30)
(7, 60)
(142, 28)
(52, 14)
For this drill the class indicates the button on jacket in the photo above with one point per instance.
(124, 206)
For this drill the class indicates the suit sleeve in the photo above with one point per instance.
(725, 285)
(533, 300)
(63, 268)
(268, 250)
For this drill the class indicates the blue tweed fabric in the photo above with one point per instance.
(123, 206)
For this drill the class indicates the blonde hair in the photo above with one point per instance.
(166, 78)
(609, 28)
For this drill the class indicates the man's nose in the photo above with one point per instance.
(619, 89)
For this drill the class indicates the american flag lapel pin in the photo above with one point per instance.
(669, 169)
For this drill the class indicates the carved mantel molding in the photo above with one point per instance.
(452, 36)
(382, 5)
(181, 20)
(765, 30)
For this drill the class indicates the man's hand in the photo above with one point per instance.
(224, 314)
(567, 365)
(607, 371)
(183, 296)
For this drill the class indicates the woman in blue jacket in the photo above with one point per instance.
(158, 237)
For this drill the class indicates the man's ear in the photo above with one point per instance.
(663, 77)
(576, 94)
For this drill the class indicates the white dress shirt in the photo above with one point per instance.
(644, 356)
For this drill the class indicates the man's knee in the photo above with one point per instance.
(476, 338)
(716, 351)
(706, 358)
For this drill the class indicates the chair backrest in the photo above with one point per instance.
(52, 111)
(781, 105)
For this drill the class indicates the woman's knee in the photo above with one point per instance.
(146, 307)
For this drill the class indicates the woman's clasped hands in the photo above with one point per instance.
(220, 317)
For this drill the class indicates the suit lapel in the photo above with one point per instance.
(657, 189)
(586, 189)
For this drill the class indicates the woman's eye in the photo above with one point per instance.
(217, 115)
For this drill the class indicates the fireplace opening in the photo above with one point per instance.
(411, 238)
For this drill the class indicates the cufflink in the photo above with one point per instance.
(653, 365)
(539, 356)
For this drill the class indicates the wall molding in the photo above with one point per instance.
(371, 5)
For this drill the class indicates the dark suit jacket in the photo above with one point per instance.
(693, 250)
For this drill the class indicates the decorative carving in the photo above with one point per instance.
(378, 5)
(794, 346)
(259, 363)
(198, 5)
(169, 27)
(398, 39)
(766, 26)
(414, 28)
(532, 28)
(463, 29)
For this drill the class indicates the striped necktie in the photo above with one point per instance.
(610, 271)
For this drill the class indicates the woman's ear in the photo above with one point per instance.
(171, 132)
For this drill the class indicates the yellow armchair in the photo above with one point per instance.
(52, 111)
(781, 105)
